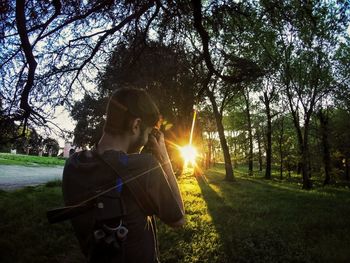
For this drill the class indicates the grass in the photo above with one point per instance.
(28, 160)
(250, 220)
(25, 235)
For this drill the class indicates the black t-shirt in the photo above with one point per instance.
(85, 174)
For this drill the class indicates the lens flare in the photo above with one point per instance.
(189, 153)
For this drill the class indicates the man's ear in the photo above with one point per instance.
(135, 125)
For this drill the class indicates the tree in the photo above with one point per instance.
(7, 131)
(340, 137)
(208, 128)
(164, 71)
(259, 139)
(269, 95)
(218, 114)
(342, 75)
(340, 128)
(88, 113)
(51, 48)
(230, 66)
(284, 142)
(325, 133)
(250, 130)
(308, 33)
(51, 146)
(236, 123)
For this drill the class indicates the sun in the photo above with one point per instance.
(189, 154)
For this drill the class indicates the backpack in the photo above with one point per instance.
(94, 190)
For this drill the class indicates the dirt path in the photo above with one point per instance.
(16, 176)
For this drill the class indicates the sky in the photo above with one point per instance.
(64, 121)
(62, 116)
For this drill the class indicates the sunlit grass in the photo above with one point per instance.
(257, 220)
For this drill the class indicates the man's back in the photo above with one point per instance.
(85, 176)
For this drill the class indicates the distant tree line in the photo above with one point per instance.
(31, 143)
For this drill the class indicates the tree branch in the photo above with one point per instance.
(16, 90)
(108, 32)
(57, 4)
(242, 75)
(27, 48)
(78, 17)
(10, 58)
(87, 36)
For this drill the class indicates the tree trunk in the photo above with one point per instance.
(302, 141)
(325, 146)
(303, 165)
(280, 146)
(299, 166)
(260, 152)
(306, 160)
(210, 153)
(250, 134)
(218, 118)
(234, 154)
(268, 136)
(306, 171)
(347, 168)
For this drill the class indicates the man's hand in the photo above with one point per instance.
(157, 145)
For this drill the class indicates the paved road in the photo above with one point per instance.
(16, 176)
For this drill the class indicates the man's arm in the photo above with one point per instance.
(170, 175)
(158, 145)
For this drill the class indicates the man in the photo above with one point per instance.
(120, 226)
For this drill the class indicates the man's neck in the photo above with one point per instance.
(116, 142)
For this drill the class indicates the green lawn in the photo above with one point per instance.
(20, 159)
(250, 220)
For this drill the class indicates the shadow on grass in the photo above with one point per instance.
(267, 221)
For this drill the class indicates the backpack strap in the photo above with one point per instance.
(129, 180)
(68, 212)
